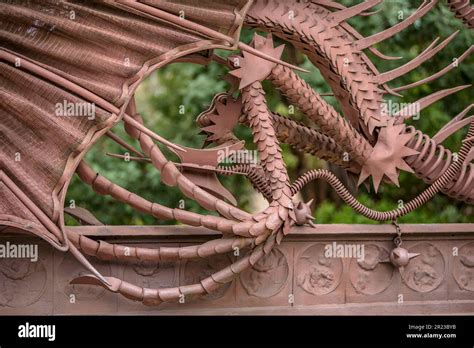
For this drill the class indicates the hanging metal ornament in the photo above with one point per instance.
(400, 257)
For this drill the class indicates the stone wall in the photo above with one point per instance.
(295, 278)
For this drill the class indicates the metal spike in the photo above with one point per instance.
(201, 29)
(426, 101)
(123, 143)
(367, 14)
(132, 158)
(391, 91)
(414, 63)
(412, 255)
(342, 15)
(83, 216)
(358, 36)
(443, 134)
(383, 35)
(81, 258)
(132, 122)
(179, 165)
(458, 117)
(265, 56)
(334, 5)
(329, 4)
(451, 66)
(430, 46)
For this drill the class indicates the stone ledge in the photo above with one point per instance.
(438, 281)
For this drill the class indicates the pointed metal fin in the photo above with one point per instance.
(329, 4)
(135, 124)
(82, 259)
(265, 56)
(359, 36)
(342, 15)
(131, 158)
(367, 14)
(391, 91)
(458, 117)
(413, 255)
(123, 143)
(414, 63)
(453, 128)
(184, 166)
(383, 35)
(384, 85)
(433, 77)
(196, 27)
(83, 215)
(431, 45)
(413, 108)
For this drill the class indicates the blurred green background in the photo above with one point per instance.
(161, 95)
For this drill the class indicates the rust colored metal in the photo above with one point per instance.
(370, 287)
(463, 10)
(52, 56)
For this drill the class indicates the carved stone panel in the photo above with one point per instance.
(318, 278)
(80, 299)
(193, 271)
(268, 282)
(463, 269)
(371, 275)
(424, 276)
(295, 278)
(26, 285)
(461, 285)
(149, 275)
(22, 282)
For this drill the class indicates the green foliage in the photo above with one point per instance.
(191, 86)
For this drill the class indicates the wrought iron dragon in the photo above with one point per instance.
(99, 53)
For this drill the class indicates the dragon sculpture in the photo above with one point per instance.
(98, 53)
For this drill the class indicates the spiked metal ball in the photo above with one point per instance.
(303, 214)
(400, 257)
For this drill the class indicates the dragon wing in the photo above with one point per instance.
(68, 70)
